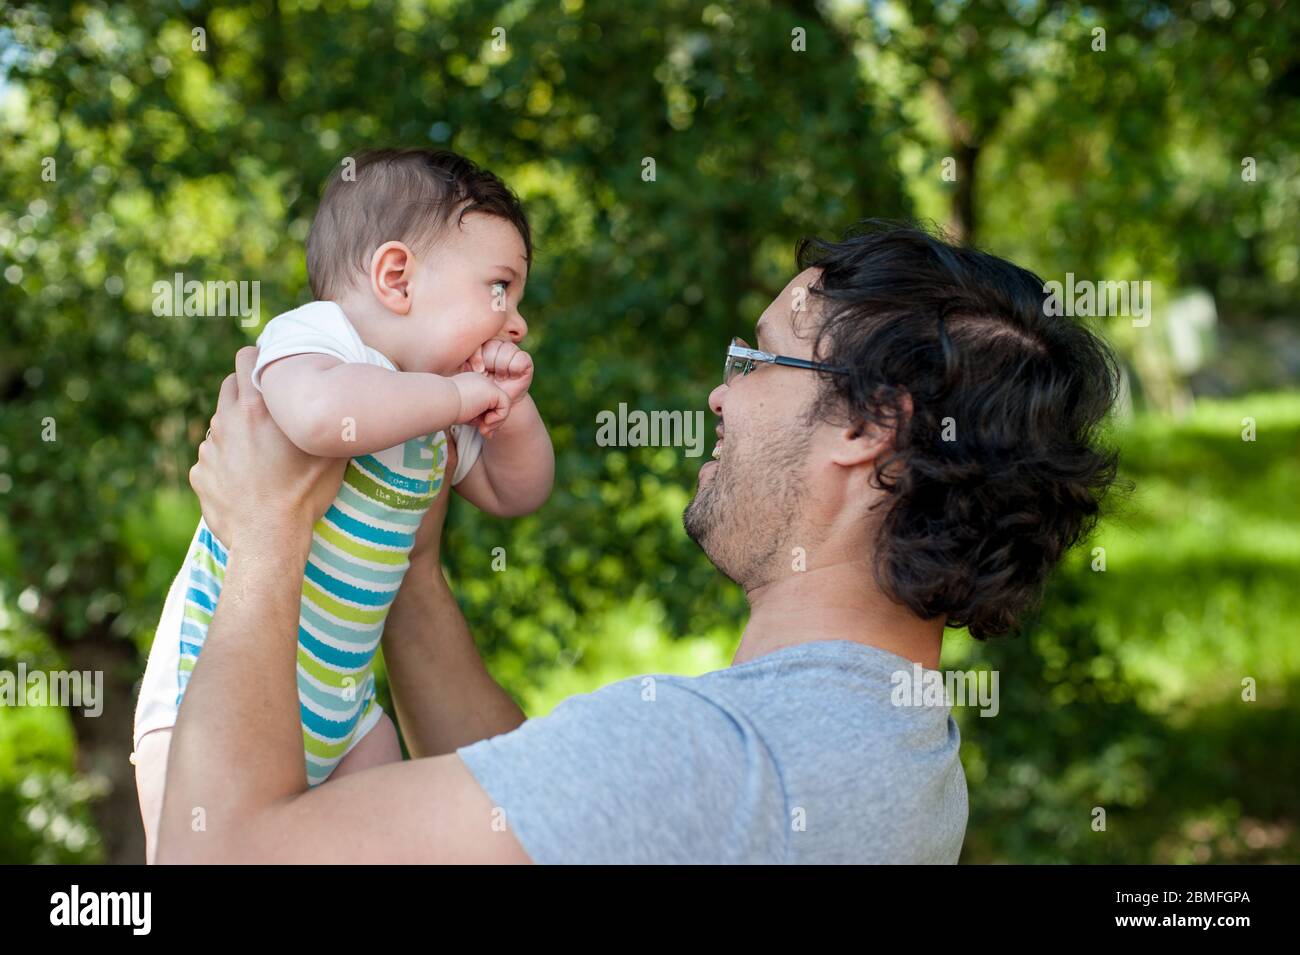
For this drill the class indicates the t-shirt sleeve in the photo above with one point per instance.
(317, 328)
(644, 771)
(469, 443)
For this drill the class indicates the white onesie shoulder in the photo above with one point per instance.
(317, 328)
(322, 328)
(468, 445)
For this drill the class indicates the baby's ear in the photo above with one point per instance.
(391, 269)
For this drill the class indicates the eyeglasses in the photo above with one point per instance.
(741, 360)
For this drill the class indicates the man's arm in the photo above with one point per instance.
(444, 696)
(236, 781)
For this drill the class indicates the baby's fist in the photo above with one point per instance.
(509, 366)
(482, 403)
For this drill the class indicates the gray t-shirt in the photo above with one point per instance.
(798, 756)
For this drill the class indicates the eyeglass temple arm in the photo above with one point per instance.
(804, 363)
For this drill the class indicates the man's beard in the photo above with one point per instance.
(745, 515)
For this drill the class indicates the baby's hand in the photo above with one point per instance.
(509, 366)
(482, 403)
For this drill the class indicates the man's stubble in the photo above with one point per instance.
(745, 517)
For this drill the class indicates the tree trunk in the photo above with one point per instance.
(963, 199)
(104, 741)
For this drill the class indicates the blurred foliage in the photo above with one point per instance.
(1131, 695)
(1124, 163)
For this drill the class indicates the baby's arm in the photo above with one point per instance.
(516, 468)
(341, 409)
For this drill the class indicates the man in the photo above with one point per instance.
(912, 445)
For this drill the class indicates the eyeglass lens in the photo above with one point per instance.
(735, 366)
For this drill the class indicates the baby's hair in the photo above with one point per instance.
(403, 195)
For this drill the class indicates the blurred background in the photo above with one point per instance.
(1114, 141)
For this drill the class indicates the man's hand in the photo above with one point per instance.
(249, 476)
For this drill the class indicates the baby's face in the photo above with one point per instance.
(466, 293)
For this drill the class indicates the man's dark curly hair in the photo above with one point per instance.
(998, 468)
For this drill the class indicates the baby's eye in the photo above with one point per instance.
(503, 284)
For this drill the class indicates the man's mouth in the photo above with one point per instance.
(717, 448)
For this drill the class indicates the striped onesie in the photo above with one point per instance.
(358, 557)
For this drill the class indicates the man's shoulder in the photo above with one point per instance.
(642, 703)
(794, 756)
(773, 694)
(644, 769)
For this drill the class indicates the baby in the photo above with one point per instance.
(417, 261)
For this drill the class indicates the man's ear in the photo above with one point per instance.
(864, 442)
(392, 269)
(861, 444)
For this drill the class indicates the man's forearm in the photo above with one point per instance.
(444, 695)
(236, 713)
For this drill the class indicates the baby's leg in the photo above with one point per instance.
(150, 776)
(376, 748)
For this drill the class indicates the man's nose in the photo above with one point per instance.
(715, 399)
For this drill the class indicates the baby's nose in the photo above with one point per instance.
(517, 328)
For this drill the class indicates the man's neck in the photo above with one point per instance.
(839, 601)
